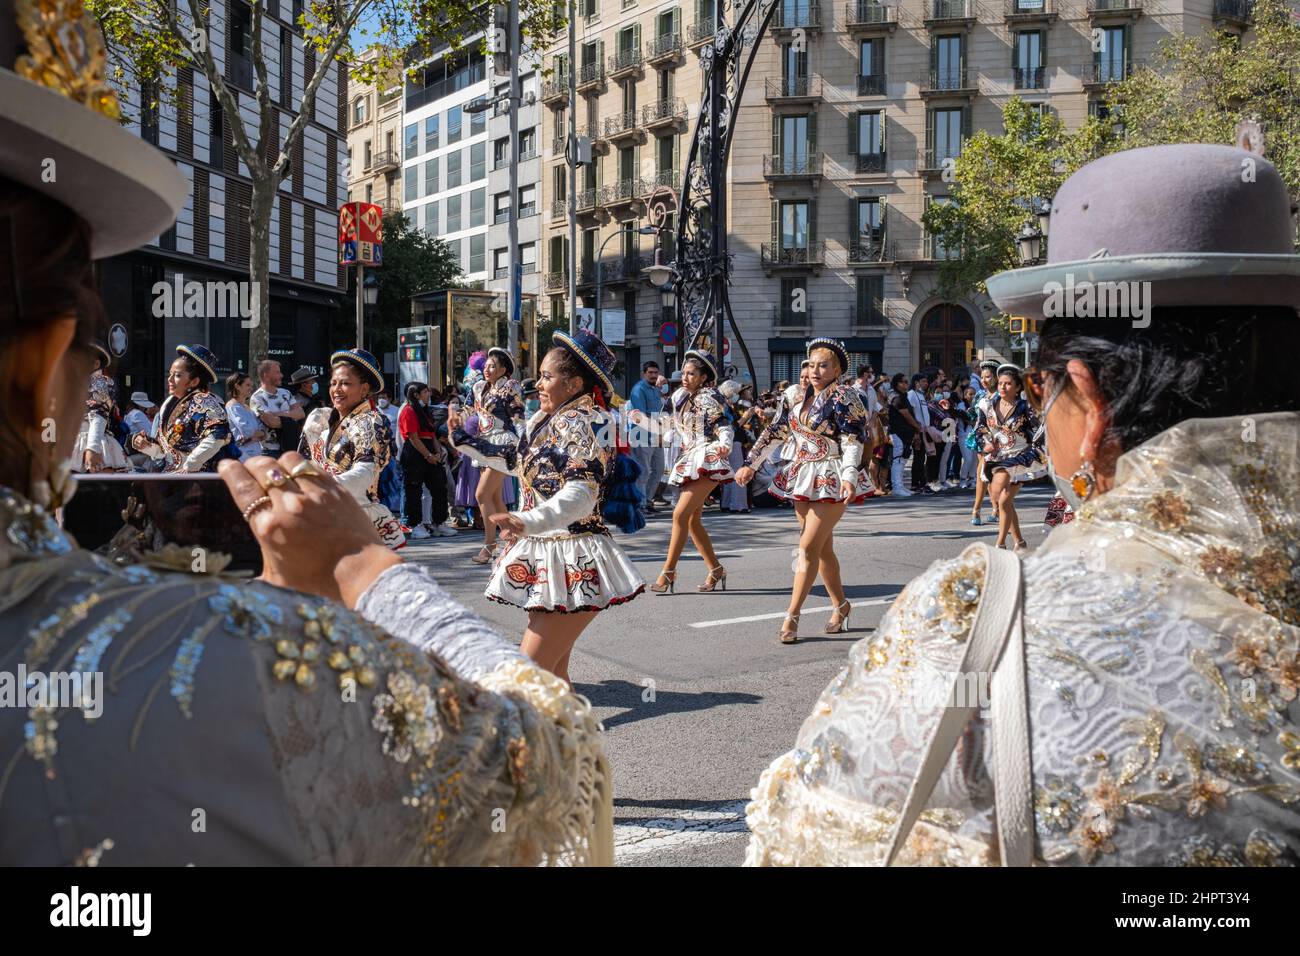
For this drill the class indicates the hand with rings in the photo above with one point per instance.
(314, 537)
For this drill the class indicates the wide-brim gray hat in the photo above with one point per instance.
(65, 143)
(1203, 224)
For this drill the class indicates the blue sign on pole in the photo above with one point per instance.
(516, 313)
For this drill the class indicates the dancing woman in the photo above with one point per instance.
(701, 420)
(352, 440)
(986, 392)
(96, 449)
(499, 407)
(560, 565)
(192, 432)
(828, 424)
(1007, 433)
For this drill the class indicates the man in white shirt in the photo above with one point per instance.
(921, 412)
(276, 408)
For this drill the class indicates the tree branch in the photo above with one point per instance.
(265, 110)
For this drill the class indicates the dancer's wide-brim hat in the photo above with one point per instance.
(503, 356)
(68, 145)
(595, 355)
(1204, 224)
(364, 363)
(203, 355)
(704, 357)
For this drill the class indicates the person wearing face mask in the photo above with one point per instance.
(1125, 637)
(532, 403)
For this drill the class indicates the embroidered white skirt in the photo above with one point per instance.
(564, 572)
(816, 481)
(108, 448)
(701, 461)
(389, 528)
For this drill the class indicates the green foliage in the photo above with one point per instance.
(413, 262)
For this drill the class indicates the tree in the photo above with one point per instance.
(413, 262)
(150, 39)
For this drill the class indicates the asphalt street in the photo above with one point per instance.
(696, 694)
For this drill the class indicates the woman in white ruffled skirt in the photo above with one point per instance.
(560, 563)
(95, 449)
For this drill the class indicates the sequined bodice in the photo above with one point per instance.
(560, 448)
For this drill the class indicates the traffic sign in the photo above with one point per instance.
(668, 333)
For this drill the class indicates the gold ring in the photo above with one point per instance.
(307, 469)
(252, 506)
(275, 478)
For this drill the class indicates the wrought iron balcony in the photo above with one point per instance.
(955, 81)
(596, 133)
(589, 200)
(793, 88)
(871, 248)
(778, 256)
(871, 162)
(625, 63)
(559, 208)
(1237, 13)
(669, 112)
(555, 91)
(796, 15)
(622, 193)
(949, 13)
(1131, 9)
(586, 274)
(698, 34)
(866, 17)
(872, 85)
(784, 317)
(933, 160)
(1030, 77)
(1031, 11)
(1100, 73)
(555, 281)
(805, 166)
(664, 177)
(591, 77)
(623, 126)
(384, 161)
(664, 49)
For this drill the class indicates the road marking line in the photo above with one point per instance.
(806, 611)
(676, 829)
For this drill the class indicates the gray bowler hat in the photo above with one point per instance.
(1204, 224)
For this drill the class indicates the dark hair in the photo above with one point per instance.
(864, 369)
(45, 275)
(195, 370)
(413, 390)
(898, 379)
(570, 366)
(647, 366)
(709, 377)
(1014, 373)
(918, 376)
(233, 381)
(1193, 362)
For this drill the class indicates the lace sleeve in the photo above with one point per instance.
(832, 800)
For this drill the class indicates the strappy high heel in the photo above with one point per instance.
(842, 625)
(716, 576)
(793, 634)
(483, 556)
(670, 582)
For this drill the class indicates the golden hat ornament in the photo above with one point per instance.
(59, 129)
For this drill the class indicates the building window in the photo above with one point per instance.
(794, 225)
(870, 305)
(477, 123)
(453, 213)
(477, 160)
(500, 263)
(528, 144)
(477, 252)
(784, 366)
(453, 168)
(412, 176)
(359, 111)
(528, 257)
(937, 248)
(1111, 60)
(431, 219)
(527, 201)
(501, 152)
(501, 207)
(629, 313)
(431, 133)
(945, 133)
(867, 141)
(367, 151)
(431, 176)
(871, 67)
(412, 141)
(216, 131)
(477, 207)
(453, 247)
(1029, 59)
(948, 63)
(453, 124)
(794, 143)
(560, 183)
(794, 302)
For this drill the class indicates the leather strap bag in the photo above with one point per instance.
(996, 646)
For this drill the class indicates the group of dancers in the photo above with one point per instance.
(555, 557)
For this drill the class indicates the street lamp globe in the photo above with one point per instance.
(1029, 244)
(370, 291)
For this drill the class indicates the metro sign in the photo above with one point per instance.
(361, 234)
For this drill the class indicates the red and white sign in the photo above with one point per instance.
(361, 234)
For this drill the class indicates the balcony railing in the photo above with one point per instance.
(1106, 71)
(501, 272)
(663, 112)
(794, 15)
(871, 162)
(1019, 10)
(502, 216)
(698, 34)
(590, 76)
(1030, 77)
(866, 16)
(777, 256)
(949, 11)
(524, 157)
(596, 133)
(932, 159)
(869, 249)
(947, 81)
(807, 165)
(1239, 12)
(622, 192)
(793, 87)
(559, 208)
(784, 317)
(621, 125)
(1100, 7)
(556, 89)
(872, 85)
(556, 280)
(625, 61)
(527, 209)
(383, 161)
(664, 177)
(662, 48)
(589, 200)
